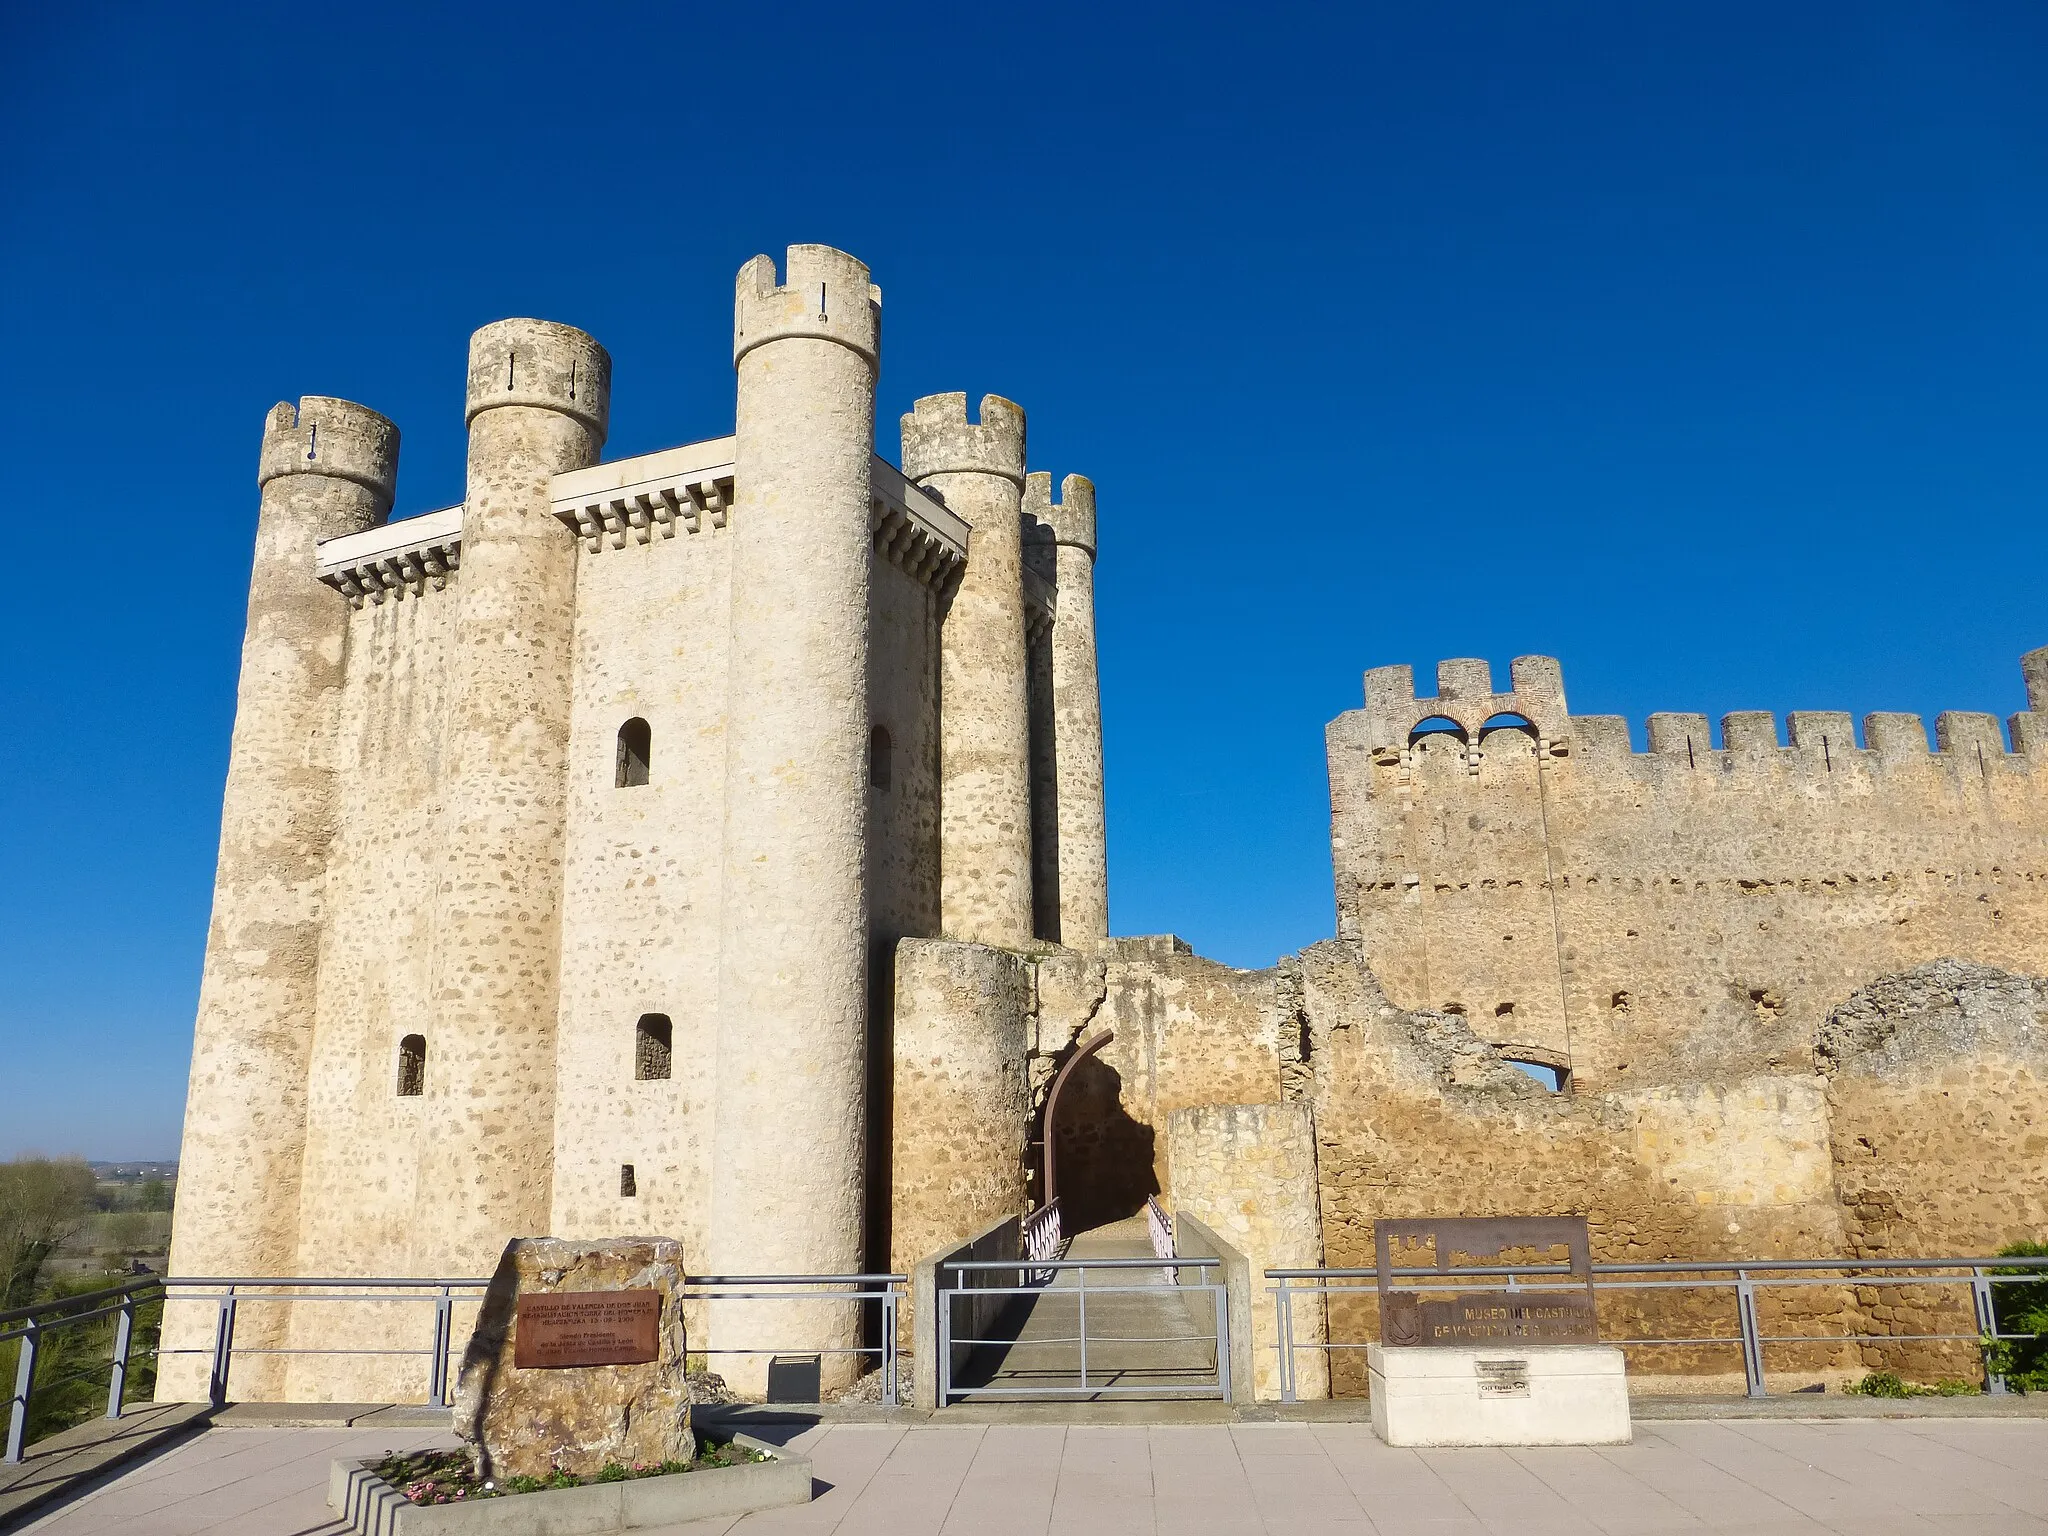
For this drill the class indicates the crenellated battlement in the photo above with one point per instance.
(938, 439)
(1465, 696)
(828, 297)
(542, 364)
(1071, 519)
(1395, 719)
(1706, 898)
(325, 436)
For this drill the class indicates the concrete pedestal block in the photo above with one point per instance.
(1537, 1394)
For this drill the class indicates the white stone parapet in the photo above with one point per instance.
(392, 557)
(913, 528)
(690, 487)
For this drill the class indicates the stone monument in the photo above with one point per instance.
(578, 1359)
(1460, 1365)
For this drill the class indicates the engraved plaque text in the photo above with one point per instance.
(572, 1328)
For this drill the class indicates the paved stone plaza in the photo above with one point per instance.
(1769, 1478)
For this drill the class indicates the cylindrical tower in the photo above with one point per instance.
(977, 469)
(327, 468)
(790, 1142)
(1077, 709)
(539, 401)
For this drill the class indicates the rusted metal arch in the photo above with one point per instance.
(1048, 1132)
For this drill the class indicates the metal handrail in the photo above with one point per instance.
(141, 1283)
(229, 1293)
(1152, 1263)
(1738, 1275)
(1673, 1266)
(948, 1389)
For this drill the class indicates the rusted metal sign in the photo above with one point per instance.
(570, 1328)
(1434, 1309)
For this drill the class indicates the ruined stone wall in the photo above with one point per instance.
(1248, 1173)
(1188, 1031)
(1418, 1116)
(1937, 1086)
(1686, 913)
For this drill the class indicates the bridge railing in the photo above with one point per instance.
(1739, 1281)
(30, 1327)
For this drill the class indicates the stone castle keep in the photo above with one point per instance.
(711, 844)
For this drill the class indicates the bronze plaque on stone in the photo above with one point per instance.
(570, 1328)
(1429, 1306)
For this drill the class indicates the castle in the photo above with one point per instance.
(711, 843)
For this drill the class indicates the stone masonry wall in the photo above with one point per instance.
(362, 1197)
(1188, 1031)
(1937, 1085)
(1689, 912)
(640, 907)
(1248, 1173)
(961, 1101)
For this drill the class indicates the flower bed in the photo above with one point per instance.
(436, 1496)
(445, 1477)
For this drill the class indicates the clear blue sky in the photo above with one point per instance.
(1701, 345)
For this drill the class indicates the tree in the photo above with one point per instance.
(43, 1201)
(156, 1196)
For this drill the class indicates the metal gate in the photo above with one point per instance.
(1182, 1352)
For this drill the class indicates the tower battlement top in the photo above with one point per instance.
(1072, 517)
(325, 436)
(1394, 718)
(542, 364)
(1464, 694)
(827, 296)
(938, 439)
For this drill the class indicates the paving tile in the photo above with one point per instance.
(1749, 1478)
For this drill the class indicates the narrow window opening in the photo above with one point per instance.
(653, 1048)
(627, 1186)
(412, 1066)
(636, 752)
(880, 749)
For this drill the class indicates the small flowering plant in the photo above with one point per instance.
(446, 1477)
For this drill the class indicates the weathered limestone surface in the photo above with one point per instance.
(539, 399)
(962, 1107)
(1686, 912)
(327, 467)
(977, 468)
(525, 1423)
(791, 1141)
(641, 888)
(1937, 1086)
(1188, 1031)
(1082, 838)
(1248, 1173)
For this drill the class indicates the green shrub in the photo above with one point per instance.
(1882, 1384)
(2021, 1307)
